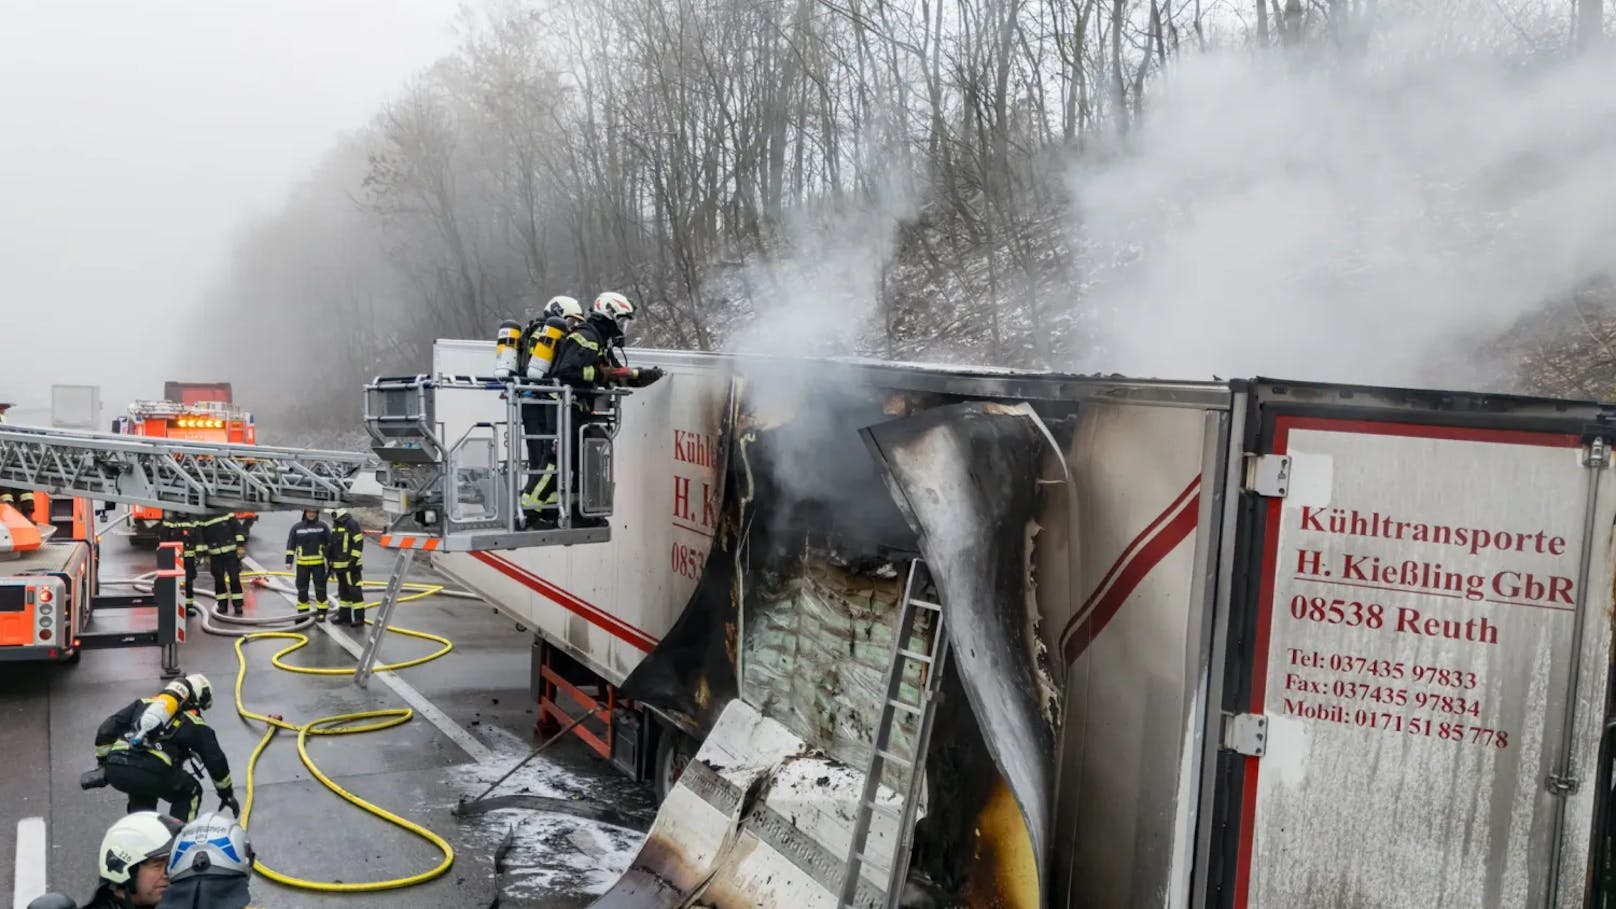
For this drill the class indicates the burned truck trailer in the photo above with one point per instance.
(1206, 644)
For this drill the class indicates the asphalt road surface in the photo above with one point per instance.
(473, 721)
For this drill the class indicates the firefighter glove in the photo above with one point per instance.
(227, 799)
(288, 561)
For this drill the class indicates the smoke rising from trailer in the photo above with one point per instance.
(1359, 219)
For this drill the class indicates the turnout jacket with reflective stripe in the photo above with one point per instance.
(308, 542)
(219, 534)
(187, 735)
(583, 355)
(347, 542)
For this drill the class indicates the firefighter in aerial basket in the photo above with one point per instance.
(143, 750)
(527, 355)
(585, 360)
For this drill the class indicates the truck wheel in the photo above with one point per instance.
(674, 751)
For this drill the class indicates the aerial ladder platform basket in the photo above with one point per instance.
(465, 494)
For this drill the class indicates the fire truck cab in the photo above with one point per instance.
(197, 421)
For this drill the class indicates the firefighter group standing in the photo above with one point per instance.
(316, 552)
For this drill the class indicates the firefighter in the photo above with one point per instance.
(21, 499)
(306, 547)
(154, 769)
(209, 866)
(584, 360)
(347, 563)
(561, 316)
(133, 862)
(181, 529)
(225, 544)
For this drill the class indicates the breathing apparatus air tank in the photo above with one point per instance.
(161, 710)
(546, 339)
(506, 342)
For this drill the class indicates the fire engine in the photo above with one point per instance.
(196, 421)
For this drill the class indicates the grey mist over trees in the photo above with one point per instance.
(1340, 190)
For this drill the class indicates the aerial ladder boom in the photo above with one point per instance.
(440, 491)
(182, 476)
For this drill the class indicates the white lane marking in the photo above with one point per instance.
(479, 752)
(29, 877)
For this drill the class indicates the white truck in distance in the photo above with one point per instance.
(1233, 644)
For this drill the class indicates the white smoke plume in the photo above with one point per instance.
(1353, 219)
(824, 297)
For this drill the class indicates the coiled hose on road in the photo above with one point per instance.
(336, 724)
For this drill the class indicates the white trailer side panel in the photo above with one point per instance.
(1129, 638)
(608, 604)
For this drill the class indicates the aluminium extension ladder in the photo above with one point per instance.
(930, 653)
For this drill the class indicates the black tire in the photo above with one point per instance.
(674, 751)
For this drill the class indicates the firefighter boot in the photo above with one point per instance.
(344, 615)
(358, 619)
(319, 614)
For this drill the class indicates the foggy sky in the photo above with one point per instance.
(136, 136)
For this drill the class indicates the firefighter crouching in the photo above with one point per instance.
(144, 747)
(306, 547)
(347, 556)
(181, 529)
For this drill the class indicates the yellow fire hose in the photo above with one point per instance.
(338, 724)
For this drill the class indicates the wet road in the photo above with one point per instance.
(473, 721)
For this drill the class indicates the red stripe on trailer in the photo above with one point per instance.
(594, 614)
(1160, 537)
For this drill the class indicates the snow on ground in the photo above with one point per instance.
(561, 848)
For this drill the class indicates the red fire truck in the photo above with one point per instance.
(198, 421)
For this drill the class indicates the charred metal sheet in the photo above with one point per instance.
(746, 825)
(967, 478)
(784, 835)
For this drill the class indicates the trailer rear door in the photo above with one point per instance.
(1420, 646)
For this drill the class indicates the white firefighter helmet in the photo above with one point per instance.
(213, 844)
(567, 307)
(614, 306)
(201, 690)
(135, 838)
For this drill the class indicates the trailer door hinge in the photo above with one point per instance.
(1245, 733)
(1597, 455)
(1561, 785)
(1268, 475)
